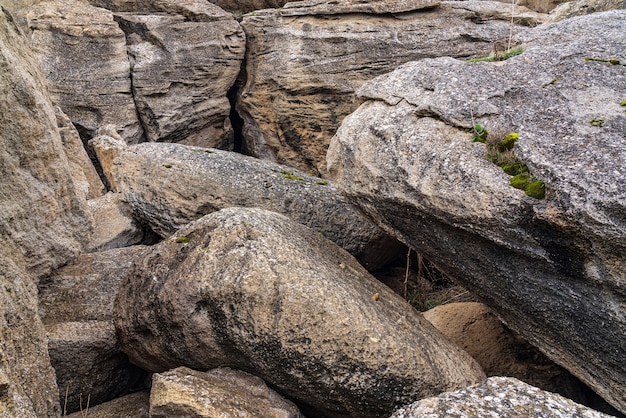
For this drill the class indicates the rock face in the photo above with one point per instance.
(553, 269)
(257, 291)
(218, 393)
(135, 405)
(169, 185)
(584, 7)
(44, 221)
(76, 304)
(497, 396)
(82, 52)
(304, 63)
(185, 57)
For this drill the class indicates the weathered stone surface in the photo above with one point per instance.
(43, 222)
(185, 57)
(331, 7)
(501, 397)
(135, 405)
(584, 7)
(170, 185)
(114, 226)
(76, 304)
(264, 294)
(302, 71)
(552, 269)
(82, 52)
(541, 6)
(217, 393)
(500, 352)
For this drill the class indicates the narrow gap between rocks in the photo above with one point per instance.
(236, 121)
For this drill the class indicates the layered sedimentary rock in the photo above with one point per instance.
(264, 294)
(305, 61)
(553, 269)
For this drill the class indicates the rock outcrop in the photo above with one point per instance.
(219, 392)
(135, 405)
(553, 269)
(170, 185)
(304, 63)
(255, 290)
(75, 304)
(498, 396)
(584, 7)
(44, 221)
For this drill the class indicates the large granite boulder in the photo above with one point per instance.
(499, 397)
(584, 7)
(259, 292)
(76, 304)
(553, 269)
(82, 52)
(170, 185)
(305, 61)
(221, 392)
(44, 221)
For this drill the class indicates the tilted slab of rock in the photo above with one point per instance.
(584, 7)
(302, 71)
(332, 7)
(219, 392)
(44, 221)
(82, 52)
(185, 57)
(501, 397)
(169, 185)
(75, 304)
(257, 291)
(552, 269)
(135, 405)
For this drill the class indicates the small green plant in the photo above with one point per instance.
(321, 183)
(623, 103)
(503, 56)
(611, 61)
(597, 123)
(182, 239)
(8, 289)
(290, 176)
(480, 134)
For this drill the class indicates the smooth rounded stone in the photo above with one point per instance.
(552, 269)
(498, 397)
(302, 67)
(259, 292)
(75, 304)
(217, 393)
(82, 52)
(135, 405)
(170, 185)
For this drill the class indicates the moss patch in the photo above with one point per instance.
(499, 57)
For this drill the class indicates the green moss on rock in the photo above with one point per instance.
(536, 189)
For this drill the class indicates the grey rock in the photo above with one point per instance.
(302, 71)
(75, 304)
(170, 185)
(115, 226)
(135, 405)
(498, 397)
(584, 7)
(330, 7)
(216, 393)
(82, 52)
(185, 57)
(264, 294)
(552, 269)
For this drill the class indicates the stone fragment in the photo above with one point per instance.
(264, 294)
(170, 185)
(498, 397)
(552, 269)
(135, 405)
(114, 226)
(217, 393)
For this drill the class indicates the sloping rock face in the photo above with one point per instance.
(220, 392)
(257, 291)
(135, 405)
(44, 221)
(584, 7)
(304, 63)
(82, 52)
(552, 269)
(498, 396)
(170, 185)
(75, 304)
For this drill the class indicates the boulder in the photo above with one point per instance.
(304, 62)
(82, 52)
(500, 397)
(220, 392)
(552, 269)
(75, 304)
(584, 7)
(170, 185)
(135, 405)
(184, 57)
(44, 221)
(254, 290)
